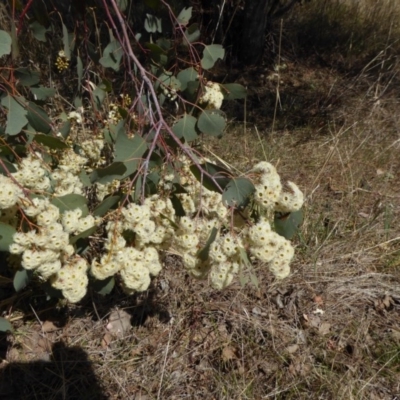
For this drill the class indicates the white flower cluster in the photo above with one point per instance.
(197, 197)
(92, 150)
(269, 247)
(269, 193)
(66, 175)
(151, 224)
(212, 96)
(169, 93)
(48, 252)
(31, 174)
(103, 190)
(140, 232)
(9, 192)
(77, 116)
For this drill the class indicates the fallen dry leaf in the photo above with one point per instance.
(318, 300)
(292, 349)
(105, 342)
(324, 328)
(49, 326)
(119, 323)
(228, 354)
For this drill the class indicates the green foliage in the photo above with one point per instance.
(103, 287)
(21, 279)
(212, 122)
(112, 55)
(16, 117)
(185, 127)
(124, 137)
(237, 192)
(5, 43)
(211, 54)
(6, 236)
(288, 224)
(5, 325)
(71, 202)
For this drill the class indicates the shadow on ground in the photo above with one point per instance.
(68, 375)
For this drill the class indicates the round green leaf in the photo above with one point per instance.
(5, 43)
(211, 122)
(288, 224)
(187, 75)
(16, 116)
(184, 16)
(5, 325)
(103, 287)
(237, 192)
(233, 91)
(39, 31)
(21, 279)
(10, 167)
(6, 236)
(112, 55)
(71, 202)
(186, 127)
(211, 54)
(42, 93)
(192, 33)
(26, 77)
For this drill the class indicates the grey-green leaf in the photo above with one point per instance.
(82, 235)
(237, 192)
(39, 31)
(16, 116)
(5, 43)
(79, 70)
(186, 127)
(38, 118)
(71, 202)
(192, 33)
(112, 55)
(105, 205)
(287, 225)
(27, 77)
(103, 287)
(220, 176)
(6, 236)
(129, 151)
(187, 75)
(21, 279)
(211, 54)
(67, 50)
(50, 141)
(203, 253)
(116, 170)
(152, 24)
(211, 122)
(42, 93)
(5, 325)
(233, 91)
(184, 16)
(122, 4)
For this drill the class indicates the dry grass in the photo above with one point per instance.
(329, 331)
